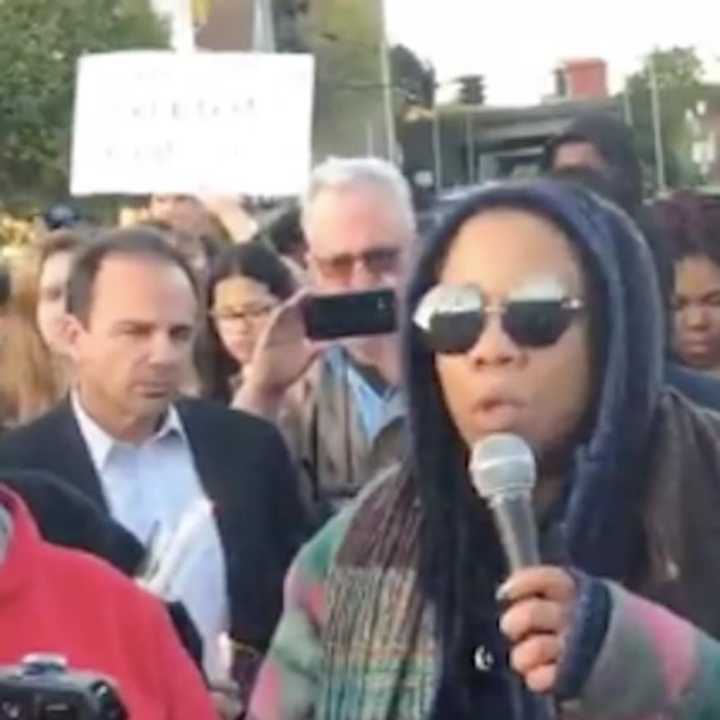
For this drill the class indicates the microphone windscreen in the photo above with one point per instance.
(502, 466)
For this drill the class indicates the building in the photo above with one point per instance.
(210, 24)
(229, 25)
(582, 79)
(464, 145)
(705, 129)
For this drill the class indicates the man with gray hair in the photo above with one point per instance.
(358, 221)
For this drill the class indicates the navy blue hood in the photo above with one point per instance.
(607, 470)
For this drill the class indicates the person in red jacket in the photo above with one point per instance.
(65, 602)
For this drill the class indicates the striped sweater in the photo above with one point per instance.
(323, 663)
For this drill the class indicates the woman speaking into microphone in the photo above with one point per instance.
(533, 310)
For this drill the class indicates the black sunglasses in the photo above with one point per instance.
(453, 317)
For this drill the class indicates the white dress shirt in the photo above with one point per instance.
(150, 488)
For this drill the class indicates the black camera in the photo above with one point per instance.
(42, 687)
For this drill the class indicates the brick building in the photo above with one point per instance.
(582, 79)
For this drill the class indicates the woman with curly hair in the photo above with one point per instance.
(691, 223)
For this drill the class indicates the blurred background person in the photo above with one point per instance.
(218, 218)
(182, 211)
(692, 230)
(286, 236)
(30, 382)
(57, 253)
(63, 216)
(198, 249)
(604, 143)
(247, 285)
(35, 366)
(247, 282)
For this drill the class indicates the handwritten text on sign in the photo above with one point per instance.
(192, 123)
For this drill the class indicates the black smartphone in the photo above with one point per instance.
(328, 317)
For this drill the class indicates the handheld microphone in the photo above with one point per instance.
(503, 473)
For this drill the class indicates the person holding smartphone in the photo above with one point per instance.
(358, 222)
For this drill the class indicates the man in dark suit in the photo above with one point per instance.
(152, 460)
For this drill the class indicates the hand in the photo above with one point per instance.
(229, 211)
(283, 352)
(542, 603)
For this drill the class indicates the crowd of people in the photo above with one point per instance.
(232, 519)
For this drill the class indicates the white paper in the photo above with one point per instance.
(192, 123)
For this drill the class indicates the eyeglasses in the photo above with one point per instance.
(251, 314)
(453, 317)
(377, 261)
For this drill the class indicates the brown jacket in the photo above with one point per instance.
(322, 425)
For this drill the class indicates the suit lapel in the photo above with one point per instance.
(76, 456)
(207, 462)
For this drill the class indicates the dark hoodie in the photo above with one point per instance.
(595, 526)
(614, 142)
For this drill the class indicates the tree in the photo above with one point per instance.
(414, 78)
(200, 10)
(40, 42)
(679, 72)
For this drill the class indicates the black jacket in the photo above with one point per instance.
(81, 525)
(246, 472)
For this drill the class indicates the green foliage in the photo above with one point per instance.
(40, 42)
(346, 40)
(415, 79)
(679, 73)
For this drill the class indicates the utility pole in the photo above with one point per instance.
(470, 141)
(387, 83)
(264, 27)
(657, 125)
(437, 150)
(627, 105)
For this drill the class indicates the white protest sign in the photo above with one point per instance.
(192, 123)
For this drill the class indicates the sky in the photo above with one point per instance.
(516, 44)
